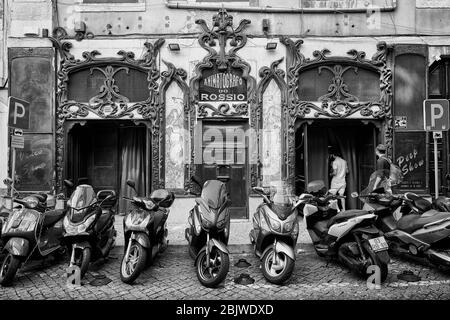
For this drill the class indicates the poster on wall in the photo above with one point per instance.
(410, 156)
(34, 163)
(222, 87)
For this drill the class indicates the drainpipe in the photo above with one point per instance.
(268, 9)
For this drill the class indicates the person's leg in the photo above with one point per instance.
(341, 192)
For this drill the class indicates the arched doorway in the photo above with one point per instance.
(353, 140)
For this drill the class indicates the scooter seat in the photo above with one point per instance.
(345, 215)
(51, 217)
(412, 222)
(420, 203)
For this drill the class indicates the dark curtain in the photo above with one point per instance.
(317, 155)
(346, 142)
(133, 164)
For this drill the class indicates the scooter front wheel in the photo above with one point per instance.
(133, 264)
(9, 269)
(82, 260)
(277, 270)
(219, 263)
(375, 260)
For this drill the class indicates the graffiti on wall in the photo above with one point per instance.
(174, 138)
(271, 160)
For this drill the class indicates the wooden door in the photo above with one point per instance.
(103, 164)
(224, 157)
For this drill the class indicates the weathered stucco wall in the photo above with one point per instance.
(154, 17)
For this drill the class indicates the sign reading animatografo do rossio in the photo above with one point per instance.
(226, 86)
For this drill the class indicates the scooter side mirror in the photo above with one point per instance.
(68, 183)
(354, 195)
(259, 190)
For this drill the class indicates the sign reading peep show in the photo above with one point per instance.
(410, 156)
(227, 86)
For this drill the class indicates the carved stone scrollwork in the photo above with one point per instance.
(109, 103)
(338, 102)
(223, 110)
(177, 75)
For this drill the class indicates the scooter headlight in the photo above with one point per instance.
(288, 226)
(137, 220)
(276, 226)
(80, 228)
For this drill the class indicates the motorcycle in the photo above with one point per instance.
(89, 225)
(411, 225)
(208, 231)
(275, 232)
(350, 236)
(28, 228)
(145, 231)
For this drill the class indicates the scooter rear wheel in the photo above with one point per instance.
(277, 274)
(132, 266)
(217, 271)
(8, 270)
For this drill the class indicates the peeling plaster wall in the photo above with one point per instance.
(155, 18)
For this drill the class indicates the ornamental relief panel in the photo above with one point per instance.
(104, 98)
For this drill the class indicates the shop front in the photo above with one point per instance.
(107, 128)
(340, 103)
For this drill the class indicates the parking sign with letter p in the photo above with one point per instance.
(19, 113)
(436, 115)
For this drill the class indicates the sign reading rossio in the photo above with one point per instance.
(227, 86)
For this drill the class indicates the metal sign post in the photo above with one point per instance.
(17, 142)
(436, 135)
(19, 119)
(436, 117)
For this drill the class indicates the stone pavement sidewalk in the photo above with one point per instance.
(173, 277)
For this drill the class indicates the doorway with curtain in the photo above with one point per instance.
(108, 153)
(353, 140)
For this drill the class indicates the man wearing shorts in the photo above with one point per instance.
(339, 171)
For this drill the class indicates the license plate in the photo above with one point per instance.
(378, 244)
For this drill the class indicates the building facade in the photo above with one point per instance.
(247, 92)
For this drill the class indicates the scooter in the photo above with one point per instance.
(10, 204)
(275, 232)
(89, 225)
(350, 236)
(208, 232)
(30, 232)
(411, 226)
(145, 231)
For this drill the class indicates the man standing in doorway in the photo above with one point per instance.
(338, 173)
(383, 168)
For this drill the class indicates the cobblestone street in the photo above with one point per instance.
(173, 277)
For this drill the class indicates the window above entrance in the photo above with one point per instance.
(439, 83)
